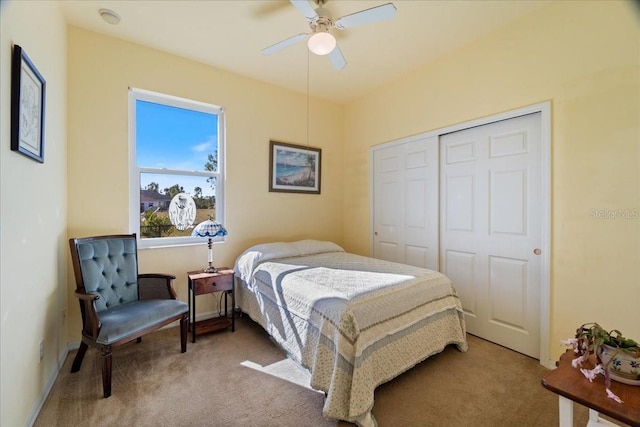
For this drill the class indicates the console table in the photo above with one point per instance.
(571, 386)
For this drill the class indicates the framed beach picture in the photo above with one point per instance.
(27, 106)
(294, 168)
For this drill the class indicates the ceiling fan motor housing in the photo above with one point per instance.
(324, 22)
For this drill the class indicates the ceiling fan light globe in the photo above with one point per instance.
(321, 43)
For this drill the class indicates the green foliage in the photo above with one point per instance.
(615, 339)
(212, 162)
(154, 225)
(173, 190)
(212, 166)
(591, 337)
(197, 193)
(205, 202)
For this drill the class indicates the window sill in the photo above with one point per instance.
(169, 242)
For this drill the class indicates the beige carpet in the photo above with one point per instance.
(242, 379)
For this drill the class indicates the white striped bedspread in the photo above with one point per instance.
(354, 322)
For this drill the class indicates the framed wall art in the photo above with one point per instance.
(28, 89)
(294, 168)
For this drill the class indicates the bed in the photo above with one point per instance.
(353, 322)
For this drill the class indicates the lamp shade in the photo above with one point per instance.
(209, 228)
(321, 43)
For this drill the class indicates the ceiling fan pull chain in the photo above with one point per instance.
(308, 68)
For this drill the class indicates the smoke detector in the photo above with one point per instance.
(109, 16)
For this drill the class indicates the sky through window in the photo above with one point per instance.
(174, 138)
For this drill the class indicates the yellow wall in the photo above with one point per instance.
(582, 56)
(585, 58)
(102, 68)
(33, 218)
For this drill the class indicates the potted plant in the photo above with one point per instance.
(617, 357)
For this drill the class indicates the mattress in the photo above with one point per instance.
(354, 322)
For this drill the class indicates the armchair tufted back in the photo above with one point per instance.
(110, 269)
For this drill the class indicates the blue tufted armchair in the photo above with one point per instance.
(117, 304)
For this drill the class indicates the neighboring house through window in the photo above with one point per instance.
(176, 151)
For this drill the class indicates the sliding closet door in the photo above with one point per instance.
(490, 228)
(405, 203)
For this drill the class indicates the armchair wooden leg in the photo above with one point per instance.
(106, 370)
(77, 361)
(184, 327)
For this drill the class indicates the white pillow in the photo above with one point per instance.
(310, 247)
(250, 258)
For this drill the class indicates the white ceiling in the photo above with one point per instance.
(229, 35)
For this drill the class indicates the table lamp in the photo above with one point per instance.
(209, 228)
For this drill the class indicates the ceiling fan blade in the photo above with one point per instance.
(337, 59)
(306, 9)
(367, 16)
(284, 43)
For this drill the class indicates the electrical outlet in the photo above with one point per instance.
(41, 350)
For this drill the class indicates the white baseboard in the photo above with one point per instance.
(551, 364)
(35, 411)
(74, 345)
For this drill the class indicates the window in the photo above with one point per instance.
(176, 149)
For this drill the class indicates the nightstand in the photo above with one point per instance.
(201, 283)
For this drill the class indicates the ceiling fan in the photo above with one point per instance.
(321, 41)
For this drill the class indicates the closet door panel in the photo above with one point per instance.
(405, 193)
